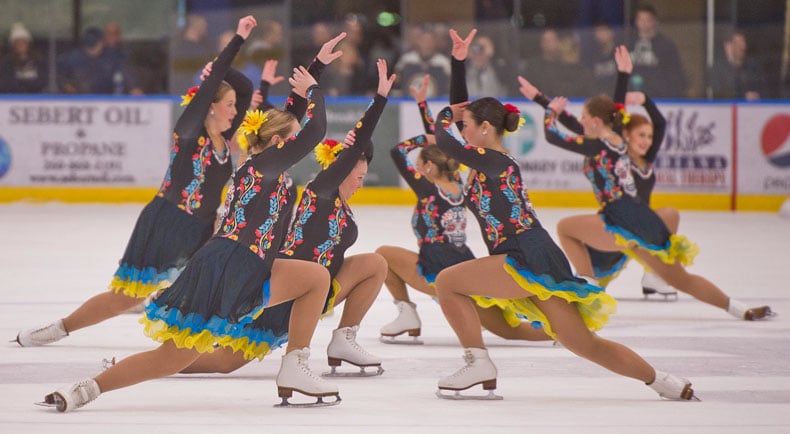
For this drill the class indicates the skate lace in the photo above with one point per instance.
(302, 362)
(351, 337)
(469, 359)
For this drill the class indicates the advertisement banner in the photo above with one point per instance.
(764, 149)
(84, 142)
(696, 155)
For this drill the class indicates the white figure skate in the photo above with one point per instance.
(407, 321)
(295, 375)
(652, 284)
(671, 387)
(739, 310)
(72, 397)
(344, 348)
(42, 335)
(479, 369)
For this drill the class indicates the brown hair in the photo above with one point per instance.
(603, 107)
(636, 121)
(278, 123)
(491, 110)
(224, 87)
(447, 166)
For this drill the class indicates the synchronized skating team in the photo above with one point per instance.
(222, 291)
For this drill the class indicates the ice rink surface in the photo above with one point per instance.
(54, 256)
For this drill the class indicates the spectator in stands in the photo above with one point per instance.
(599, 58)
(190, 52)
(658, 71)
(482, 78)
(423, 58)
(89, 69)
(116, 51)
(303, 53)
(557, 68)
(734, 75)
(22, 70)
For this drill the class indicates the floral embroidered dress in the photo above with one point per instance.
(225, 285)
(181, 216)
(509, 225)
(323, 227)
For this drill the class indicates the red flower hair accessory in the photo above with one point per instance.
(185, 99)
(521, 121)
(512, 109)
(621, 109)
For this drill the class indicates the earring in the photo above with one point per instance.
(485, 132)
(211, 112)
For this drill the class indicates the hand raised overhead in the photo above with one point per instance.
(269, 72)
(246, 24)
(558, 104)
(623, 59)
(461, 45)
(327, 54)
(385, 83)
(420, 93)
(526, 88)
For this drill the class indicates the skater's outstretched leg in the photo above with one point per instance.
(95, 310)
(492, 320)
(222, 361)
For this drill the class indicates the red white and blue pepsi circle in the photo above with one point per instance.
(775, 140)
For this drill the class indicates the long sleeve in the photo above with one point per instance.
(295, 103)
(400, 156)
(620, 88)
(191, 121)
(278, 158)
(427, 118)
(566, 119)
(577, 143)
(264, 87)
(458, 90)
(328, 180)
(659, 129)
(480, 159)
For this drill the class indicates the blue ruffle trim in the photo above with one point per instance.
(146, 276)
(217, 326)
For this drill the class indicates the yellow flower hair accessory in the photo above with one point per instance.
(326, 152)
(187, 98)
(250, 126)
(252, 122)
(621, 109)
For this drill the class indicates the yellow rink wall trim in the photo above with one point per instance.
(401, 196)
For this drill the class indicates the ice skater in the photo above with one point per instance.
(322, 230)
(526, 271)
(181, 217)
(626, 223)
(439, 223)
(644, 138)
(235, 276)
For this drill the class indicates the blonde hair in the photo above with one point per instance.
(278, 123)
